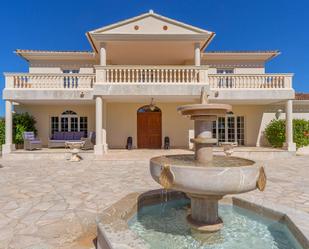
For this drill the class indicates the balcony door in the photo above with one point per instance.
(149, 127)
(230, 129)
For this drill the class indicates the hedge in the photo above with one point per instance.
(21, 122)
(275, 132)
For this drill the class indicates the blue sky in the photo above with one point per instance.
(239, 25)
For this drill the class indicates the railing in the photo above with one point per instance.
(61, 81)
(151, 74)
(256, 81)
(148, 75)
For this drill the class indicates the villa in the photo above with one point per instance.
(130, 84)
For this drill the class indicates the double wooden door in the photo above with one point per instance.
(149, 130)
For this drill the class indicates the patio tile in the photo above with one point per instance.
(55, 204)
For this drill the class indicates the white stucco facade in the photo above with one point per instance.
(143, 59)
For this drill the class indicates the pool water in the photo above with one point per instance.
(164, 226)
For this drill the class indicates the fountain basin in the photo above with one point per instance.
(117, 227)
(222, 176)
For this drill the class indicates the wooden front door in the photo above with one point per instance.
(149, 130)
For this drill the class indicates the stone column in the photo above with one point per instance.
(289, 144)
(101, 70)
(100, 147)
(103, 54)
(8, 147)
(197, 54)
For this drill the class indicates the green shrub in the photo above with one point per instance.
(300, 128)
(21, 122)
(2, 131)
(275, 132)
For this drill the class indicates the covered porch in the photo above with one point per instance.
(115, 119)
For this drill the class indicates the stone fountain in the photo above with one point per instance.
(204, 177)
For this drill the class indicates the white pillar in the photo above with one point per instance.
(103, 54)
(101, 71)
(100, 147)
(197, 54)
(289, 144)
(8, 147)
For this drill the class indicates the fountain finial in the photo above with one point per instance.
(204, 96)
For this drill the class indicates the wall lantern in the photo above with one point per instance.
(152, 105)
(278, 113)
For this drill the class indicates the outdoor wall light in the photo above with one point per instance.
(82, 94)
(278, 113)
(152, 105)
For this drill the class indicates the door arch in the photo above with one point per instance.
(149, 127)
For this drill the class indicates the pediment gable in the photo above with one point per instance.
(150, 23)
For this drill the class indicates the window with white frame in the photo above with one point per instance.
(70, 70)
(54, 124)
(83, 124)
(241, 130)
(69, 121)
(225, 81)
(225, 70)
(70, 81)
(229, 129)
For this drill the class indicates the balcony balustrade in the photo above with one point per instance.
(151, 74)
(46, 81)
(256, 81)
(147, 75)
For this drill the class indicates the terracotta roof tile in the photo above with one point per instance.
(301, 96)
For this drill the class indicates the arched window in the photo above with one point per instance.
(69, 121)
(149, 108)
(69, 112)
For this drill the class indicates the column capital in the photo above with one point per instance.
(197, 45)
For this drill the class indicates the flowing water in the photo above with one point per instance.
(243, 229)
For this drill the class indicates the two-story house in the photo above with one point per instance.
(139, 71)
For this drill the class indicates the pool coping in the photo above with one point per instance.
(113, 231)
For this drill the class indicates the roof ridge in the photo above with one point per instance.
(242, 51)
(52, 51)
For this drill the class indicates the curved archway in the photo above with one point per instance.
(149, 127)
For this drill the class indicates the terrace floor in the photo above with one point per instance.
(53, 203)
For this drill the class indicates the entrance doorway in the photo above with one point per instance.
(149, 127)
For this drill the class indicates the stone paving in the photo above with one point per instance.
(52, 203)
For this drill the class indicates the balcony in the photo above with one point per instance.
(250, 81)
(49, 81)
(147, 75)
(151, 74)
